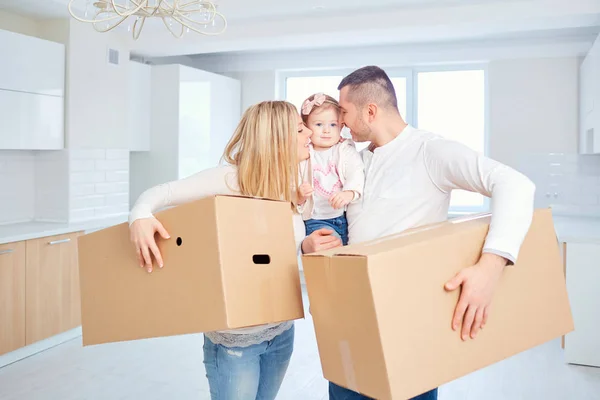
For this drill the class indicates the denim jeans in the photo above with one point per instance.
(248, 373)
(338, 225)
(339, 393)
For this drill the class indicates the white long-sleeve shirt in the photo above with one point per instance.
(409, 181)
(221, 180)
(340, 166)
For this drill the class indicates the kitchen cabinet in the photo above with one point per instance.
(52, 298)
(139, 113)
(589, 101)
(31, 121)
(193, 115)
(12, 296)
(32, 82)
(31, 65)
(582, 346)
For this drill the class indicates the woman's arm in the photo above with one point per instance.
(142, 224)
(204, 183)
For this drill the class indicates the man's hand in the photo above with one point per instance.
(304, 192)
(321, 239)
(341, 199)
(478, 284)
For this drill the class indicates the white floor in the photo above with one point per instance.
(171, 368)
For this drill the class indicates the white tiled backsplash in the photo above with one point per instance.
(569, 183)
(17, 186)
(63, 186)
(99, 183)
(52, 186)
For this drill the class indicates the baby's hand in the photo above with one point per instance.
(341, 199)
(304, 191)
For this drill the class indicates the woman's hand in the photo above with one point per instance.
(321, 239)
(142, 235)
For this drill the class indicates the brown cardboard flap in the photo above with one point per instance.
(404, 238)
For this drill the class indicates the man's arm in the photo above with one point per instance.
(452, 165)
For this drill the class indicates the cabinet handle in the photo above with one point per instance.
(7, 251)
(59, 241)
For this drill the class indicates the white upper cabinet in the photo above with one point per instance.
(589, 101)
(32, 87)
(31, 65)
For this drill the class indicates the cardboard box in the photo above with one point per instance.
(383, 319)
(231, 262)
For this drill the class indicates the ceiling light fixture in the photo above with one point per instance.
(178, 16)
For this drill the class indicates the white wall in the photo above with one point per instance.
(96, 90)
(257, 86)
(98, 183)
(533, 107)
(52, 186)
(17, 180)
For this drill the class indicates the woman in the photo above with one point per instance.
(263, 157)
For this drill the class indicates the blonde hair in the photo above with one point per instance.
(264, 150)
(329, 102)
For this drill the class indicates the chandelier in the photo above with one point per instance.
(178, 16)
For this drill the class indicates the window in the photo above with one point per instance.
(452, 104)
(449, 102)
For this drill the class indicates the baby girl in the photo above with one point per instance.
(333, 177)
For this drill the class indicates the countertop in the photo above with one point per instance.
(568, 228)
(577, 229)
(33, 230)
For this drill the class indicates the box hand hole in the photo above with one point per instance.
(261, 259)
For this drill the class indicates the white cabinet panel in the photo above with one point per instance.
(31, 121)
(589, 101)
(31, 65)
(586, 79)
(582, 346)
(138, 113)
(594, 115)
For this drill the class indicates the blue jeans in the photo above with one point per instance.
(248, 373)
(339, 393)
(338, 225)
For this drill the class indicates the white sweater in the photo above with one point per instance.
(348, 167)
(220, 180)
(409, 181)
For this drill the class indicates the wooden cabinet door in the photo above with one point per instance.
(12, 296)
(52, 290)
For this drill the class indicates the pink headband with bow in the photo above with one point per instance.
(308, 105)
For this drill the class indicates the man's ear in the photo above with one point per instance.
(372, 111)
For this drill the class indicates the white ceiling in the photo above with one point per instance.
(236, 10)
(267, 25)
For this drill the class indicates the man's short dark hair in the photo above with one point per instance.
(370, 85)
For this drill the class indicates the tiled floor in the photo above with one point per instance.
(171, 368)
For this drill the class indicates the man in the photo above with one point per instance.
(410, 174)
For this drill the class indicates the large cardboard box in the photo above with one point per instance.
(231, 262)
(383, 319)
